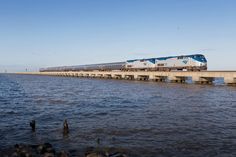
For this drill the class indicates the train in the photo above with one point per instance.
(195, 62)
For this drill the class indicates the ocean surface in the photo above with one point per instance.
(147, 119)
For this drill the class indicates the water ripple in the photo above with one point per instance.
(146, 118)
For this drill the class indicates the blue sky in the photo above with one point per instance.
(39, 33)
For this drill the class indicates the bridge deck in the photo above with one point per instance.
(173, 76)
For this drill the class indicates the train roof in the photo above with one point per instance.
(85, 65)
(164, 58)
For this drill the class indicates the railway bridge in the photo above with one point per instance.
(202, 77)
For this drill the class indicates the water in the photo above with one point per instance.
(145, 118)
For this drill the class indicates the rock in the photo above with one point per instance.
(50, 150)
(117, 155)
(62, 154)
(105, 152)
(22, 154)
(48, 155)
(15, 154)
(17, 148)
(21, 151)
(28, 155)
(40, 149)
(47, 145)
(45, 148)
(95, 155)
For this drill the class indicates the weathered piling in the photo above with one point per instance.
(33, 125)
(65, 127)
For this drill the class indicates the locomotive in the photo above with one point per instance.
(195, 62)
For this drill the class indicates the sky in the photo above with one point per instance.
(44, 33)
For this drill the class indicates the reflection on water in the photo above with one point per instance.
(144, 117)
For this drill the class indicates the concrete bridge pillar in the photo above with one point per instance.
(99, 75)
(107, 76)
(203, 80)
(142, 77)
(92, 75)
(151, 77)
(75, 74)
(130, 77)
(177, 79)
(134, 77)
(116, 76)
(86, 75)
(160, 78)
(230, 80)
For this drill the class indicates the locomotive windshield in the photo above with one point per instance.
(200, 58)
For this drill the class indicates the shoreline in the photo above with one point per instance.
(47, 150)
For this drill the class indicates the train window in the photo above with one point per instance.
(160, 65)
(180, 57)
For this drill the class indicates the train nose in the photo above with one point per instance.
(203, 64)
